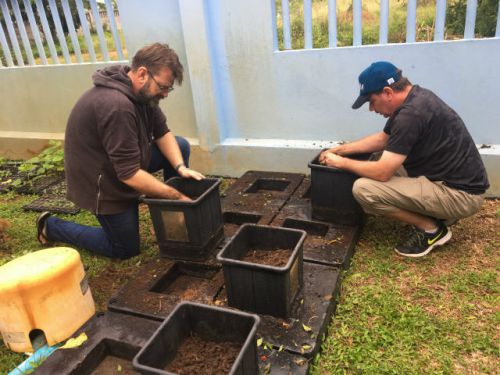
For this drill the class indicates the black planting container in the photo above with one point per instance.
(210, 323)
(262, 288)
(331, 193)
(188, 230)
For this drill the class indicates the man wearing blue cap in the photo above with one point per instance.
(443, 178)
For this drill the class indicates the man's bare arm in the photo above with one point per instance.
(371, 143)
(380, 170)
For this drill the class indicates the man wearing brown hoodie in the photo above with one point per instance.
(116, 135)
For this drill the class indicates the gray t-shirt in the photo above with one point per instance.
(436, 142)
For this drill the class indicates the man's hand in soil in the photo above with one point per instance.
(331, 160)
(338, 150)
(190, 173)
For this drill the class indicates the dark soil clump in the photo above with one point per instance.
(197, 356)
(275, 257)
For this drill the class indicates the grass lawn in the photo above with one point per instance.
(436, 315)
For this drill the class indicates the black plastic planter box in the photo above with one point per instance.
(55, 204)
(163, 283)
(260, 193)
(262, 288)
(188, 230)
(113, 340)
(208, 322)
(331, 193)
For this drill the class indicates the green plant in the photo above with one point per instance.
(49, 161)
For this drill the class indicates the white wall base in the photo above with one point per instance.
(236, 156)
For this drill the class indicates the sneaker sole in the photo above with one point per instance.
(40, 225)
(441, 242)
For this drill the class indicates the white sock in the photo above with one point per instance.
(432, 231)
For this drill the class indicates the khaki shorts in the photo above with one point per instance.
(415, 194)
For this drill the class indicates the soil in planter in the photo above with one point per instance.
(197, 356)
(114, 365)
(274, 257)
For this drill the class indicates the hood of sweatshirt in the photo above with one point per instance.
(115, 77)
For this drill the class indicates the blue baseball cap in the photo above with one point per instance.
(374, 78)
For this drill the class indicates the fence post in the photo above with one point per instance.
(202, 56)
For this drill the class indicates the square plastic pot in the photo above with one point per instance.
(188, 230)
(211, 323)
(331, 193)
(260, 288)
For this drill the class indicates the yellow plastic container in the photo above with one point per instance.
(45, 290)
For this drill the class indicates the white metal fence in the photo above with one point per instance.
(59, 32)
(294, 19)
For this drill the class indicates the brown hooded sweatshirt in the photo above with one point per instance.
(108, 139)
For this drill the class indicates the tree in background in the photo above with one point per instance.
(486, 17)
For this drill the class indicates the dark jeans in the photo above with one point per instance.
(118, 236)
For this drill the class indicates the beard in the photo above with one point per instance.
(145, 98)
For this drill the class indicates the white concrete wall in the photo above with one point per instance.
(257, 108)
(35, 103)
(246, 106)
(146, 22)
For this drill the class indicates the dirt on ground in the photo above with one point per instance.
(109, 281)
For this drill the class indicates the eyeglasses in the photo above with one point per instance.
(161, 87)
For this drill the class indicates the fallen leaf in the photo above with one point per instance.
(259, 342)
(299, 362)
(306, 328)
(75, 342)
(304, 348)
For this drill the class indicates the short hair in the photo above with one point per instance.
(156, 56)
(399, 85)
